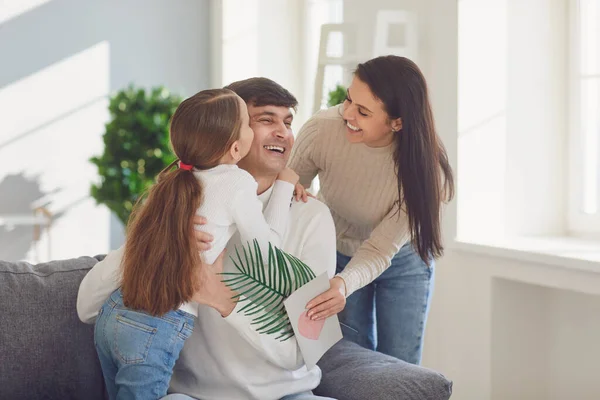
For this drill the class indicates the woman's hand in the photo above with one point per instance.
(212, 291)
(203, 239)
(329, 303)
(301, 193)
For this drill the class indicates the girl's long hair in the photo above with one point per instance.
(161, 257)
(425, 178)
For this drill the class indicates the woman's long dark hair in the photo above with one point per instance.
(425, 178)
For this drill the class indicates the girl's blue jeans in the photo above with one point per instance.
(137, 351)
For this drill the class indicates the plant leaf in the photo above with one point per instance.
(265, 290)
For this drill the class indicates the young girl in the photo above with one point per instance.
(142, 327)
(384, 174)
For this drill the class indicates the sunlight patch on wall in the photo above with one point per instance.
(10, 9)
(52, 124)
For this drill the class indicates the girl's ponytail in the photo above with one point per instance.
(160, 253)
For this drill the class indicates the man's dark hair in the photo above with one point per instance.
(261, 92)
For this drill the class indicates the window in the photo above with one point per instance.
(529, 119)
(585, 117)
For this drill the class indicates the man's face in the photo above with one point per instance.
(273, 140)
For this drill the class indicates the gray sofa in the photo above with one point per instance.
(47, 353)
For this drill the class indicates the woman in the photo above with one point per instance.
(384, 174)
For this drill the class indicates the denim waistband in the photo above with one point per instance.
(173, 317)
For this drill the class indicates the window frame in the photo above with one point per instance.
(579, 223)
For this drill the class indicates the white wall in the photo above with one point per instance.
(316, 14)
(499, 328)
(512, 118)
(537, 110)
(507, 329)
(59, 62)
(262, 38)
(482, 113)
(364, 14)
(278, 39)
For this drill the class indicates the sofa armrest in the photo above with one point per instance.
(45, 351)
(351, 372)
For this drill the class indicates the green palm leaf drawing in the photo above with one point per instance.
(264, 286)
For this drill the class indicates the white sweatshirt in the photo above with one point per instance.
(225, 358)
(230, 204)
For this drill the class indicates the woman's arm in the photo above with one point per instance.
(375, 254)
(371, 259)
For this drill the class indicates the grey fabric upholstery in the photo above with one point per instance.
(351, 372)
(45, 351)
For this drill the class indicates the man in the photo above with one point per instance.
(226, 358)
(215, 363)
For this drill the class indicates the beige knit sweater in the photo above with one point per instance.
(360, 186)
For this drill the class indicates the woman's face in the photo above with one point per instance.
(366, 119)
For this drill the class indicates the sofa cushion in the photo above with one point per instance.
(351, 372)
(45, 351)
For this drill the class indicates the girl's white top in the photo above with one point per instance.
(231, 204)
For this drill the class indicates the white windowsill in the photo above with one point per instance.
(563, 252)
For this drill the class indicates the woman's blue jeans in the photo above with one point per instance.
(137, 351)
(389, 314)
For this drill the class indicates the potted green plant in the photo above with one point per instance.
(336, 96)
(136, 147)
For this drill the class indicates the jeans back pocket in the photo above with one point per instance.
(132, 339)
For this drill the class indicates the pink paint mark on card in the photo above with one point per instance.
(308, 328)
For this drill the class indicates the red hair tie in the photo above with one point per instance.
(187, 167)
